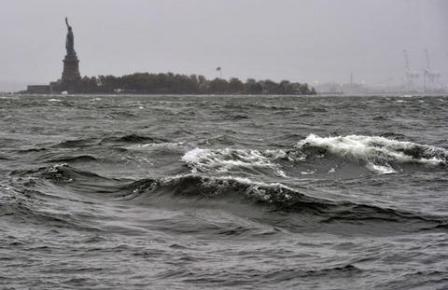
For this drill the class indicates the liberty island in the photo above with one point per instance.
(158, 83)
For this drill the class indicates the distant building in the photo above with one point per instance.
(39, 89)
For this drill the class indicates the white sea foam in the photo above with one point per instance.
(383, 169)
(222, 160)
(378, 152)
(151, 146)
(308, 172)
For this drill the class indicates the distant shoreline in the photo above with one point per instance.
(169, 83)
(324, 95)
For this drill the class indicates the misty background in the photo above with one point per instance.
(313, 41)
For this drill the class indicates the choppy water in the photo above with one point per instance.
(187, 192)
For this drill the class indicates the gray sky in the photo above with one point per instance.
(299, 40)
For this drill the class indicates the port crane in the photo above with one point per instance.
(430, 78)
(411, 76)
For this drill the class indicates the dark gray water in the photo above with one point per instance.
(188, 192)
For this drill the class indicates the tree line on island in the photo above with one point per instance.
(169, 83)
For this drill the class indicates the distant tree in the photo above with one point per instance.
(218, 86)
(269, 87)
(253, 87)
(236, 86)
(285, 88)
(169, 83)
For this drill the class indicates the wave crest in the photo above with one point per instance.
(223, 160)
(378, 153)
(272, 203)
(276, 196)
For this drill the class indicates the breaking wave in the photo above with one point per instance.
(275, 197)
(379, 154)
(223, 160)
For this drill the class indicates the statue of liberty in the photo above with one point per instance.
(70, 73)
(70, 40)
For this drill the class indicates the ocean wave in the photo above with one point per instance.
(78, 158)
(132, 138)
(22, 208)
(339, 270)
(275, 196)
(82, 142)
(31, 150)
(263, 275)
(231, 192)
(223, 160)
(379, 154)
(81, 180)
(152, 146)
(312, 155)
(2, 157)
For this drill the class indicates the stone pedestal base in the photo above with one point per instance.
(71, 69)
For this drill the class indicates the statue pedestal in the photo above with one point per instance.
(71, 69)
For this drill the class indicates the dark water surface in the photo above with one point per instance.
(188, 192)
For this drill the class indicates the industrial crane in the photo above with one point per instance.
(411, 76)
(430, 78)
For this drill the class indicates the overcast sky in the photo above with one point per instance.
(299, 40)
